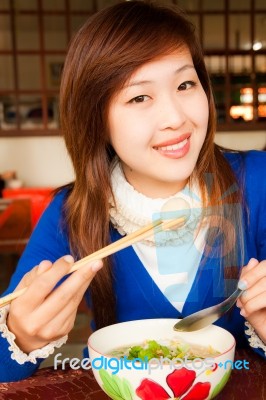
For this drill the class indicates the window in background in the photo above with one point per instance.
(34, 35)
(233, 35)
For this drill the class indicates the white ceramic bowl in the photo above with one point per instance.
(130, 380)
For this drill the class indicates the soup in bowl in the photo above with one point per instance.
(148, 360)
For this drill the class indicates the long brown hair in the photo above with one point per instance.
(102, 56)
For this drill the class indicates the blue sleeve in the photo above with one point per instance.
(48, 241)
(10, 370)
(255, 188)
(259, 174)
(250, 169)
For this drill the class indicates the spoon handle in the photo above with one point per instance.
(207, 316)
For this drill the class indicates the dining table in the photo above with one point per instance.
(246, 383)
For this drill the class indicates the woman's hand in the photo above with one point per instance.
(42, 315)
(253, 301)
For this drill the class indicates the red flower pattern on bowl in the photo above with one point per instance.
(181, 384)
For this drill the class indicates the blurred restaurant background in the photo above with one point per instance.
(34, 36)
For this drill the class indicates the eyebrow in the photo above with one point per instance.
(145, 82)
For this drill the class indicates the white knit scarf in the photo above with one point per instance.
(133, 210)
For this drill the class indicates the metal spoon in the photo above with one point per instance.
(207, 316)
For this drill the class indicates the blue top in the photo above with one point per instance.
(138, 297)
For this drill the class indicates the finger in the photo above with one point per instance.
(70, 293)
(253, 272)
(27, 279)
(45, 282)
(44, 266)
(59, 326)
(255, 290)
(31, 275)
(251, 264)
(257, 303)
(239, 303)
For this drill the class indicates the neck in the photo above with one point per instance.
(149, 188)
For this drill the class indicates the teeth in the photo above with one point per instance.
(174, 146)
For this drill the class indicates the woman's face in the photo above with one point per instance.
(158, 123)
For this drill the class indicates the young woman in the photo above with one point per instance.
(138, 117)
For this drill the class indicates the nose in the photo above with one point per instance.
(171, 113)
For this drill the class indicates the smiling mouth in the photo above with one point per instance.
(175, 148)
(172, 147)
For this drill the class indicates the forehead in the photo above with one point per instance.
(173, 61)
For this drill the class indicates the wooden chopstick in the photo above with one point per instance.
(141, 234)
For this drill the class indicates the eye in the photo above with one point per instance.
(139, 99)
(186, 85)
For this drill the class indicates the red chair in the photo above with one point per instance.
(39, 198)
(5, 211)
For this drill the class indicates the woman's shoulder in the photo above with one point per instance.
(250, 169)
(247, 156)
(251, 164)
(54, 212)
(255, 159)
(59, 197)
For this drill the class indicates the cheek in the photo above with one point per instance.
(126, 130)
(120, 136)
(114, 127)
(201, 112)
